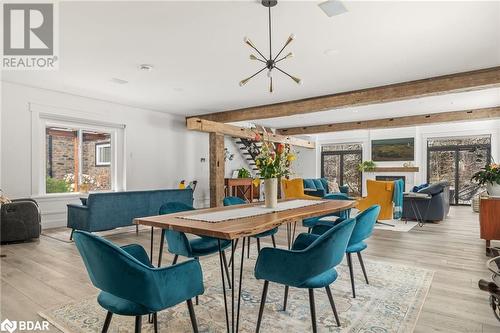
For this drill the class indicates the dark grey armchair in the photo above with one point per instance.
(435, 210)
(20, 220)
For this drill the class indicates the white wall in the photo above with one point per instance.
(159, 151)
(420, 133)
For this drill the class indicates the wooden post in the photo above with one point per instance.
(216, 156)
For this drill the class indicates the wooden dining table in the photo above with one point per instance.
(234, 229)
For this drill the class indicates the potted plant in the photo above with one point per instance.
(366, 166)
(273, 163)
(243, 173)
(489, 176)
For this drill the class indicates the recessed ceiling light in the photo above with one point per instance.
(145, 67)
(331, 52)
(332, 7)
(118, 81)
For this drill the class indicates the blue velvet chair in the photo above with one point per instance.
(230, 201)
(310, 264)
(131, 286)
(365, 221)
(179, 245)
(309, 223)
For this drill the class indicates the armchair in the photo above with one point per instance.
(379, 193)
(294, 189)
(131, 286)
(310, 264)
(20, 220)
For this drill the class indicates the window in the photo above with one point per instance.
(455, 160)
(102, 154)
(339, 163)
(77, 159)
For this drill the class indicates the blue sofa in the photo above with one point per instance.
(319, 187)
(106, 211)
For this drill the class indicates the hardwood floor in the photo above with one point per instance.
(49, 272)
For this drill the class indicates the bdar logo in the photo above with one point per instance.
(28, 29)
(8, 325)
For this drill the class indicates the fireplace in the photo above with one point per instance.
(391, 178)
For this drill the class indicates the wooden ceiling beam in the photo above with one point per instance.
(424, 119)
(208, 126)
(453, 83)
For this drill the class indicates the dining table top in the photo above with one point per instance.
(243, 226)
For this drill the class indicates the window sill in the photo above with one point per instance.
(66, 195)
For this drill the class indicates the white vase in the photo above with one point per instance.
(493, 189)
(271, 192)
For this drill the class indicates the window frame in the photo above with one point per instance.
(44, 116)
(98, 154)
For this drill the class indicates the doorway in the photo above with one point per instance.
(455, 160)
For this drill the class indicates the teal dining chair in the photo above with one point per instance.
(309, 223)
(230, 201)
(131, 286)
(180, 245)
(365, 221)
(310, 264)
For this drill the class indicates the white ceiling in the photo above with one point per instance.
(199, 56)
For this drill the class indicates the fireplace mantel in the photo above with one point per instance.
(396, 169)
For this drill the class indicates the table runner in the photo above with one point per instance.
(238, 213)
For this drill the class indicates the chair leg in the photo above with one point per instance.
(107, 321)
(226, 269)
(362, 266)
(138, 324)
(274, 241)
(155, 322)
(332, 303)
(234, 250)
(309, 230)
(71, 235)
(192, 315)
(258, 245)
(313, 310)
(248, 247)
(349, 263)
(197, 301)
(175, 259)
(262, 303)
(162, 243)
(136, 229)
(285, 298)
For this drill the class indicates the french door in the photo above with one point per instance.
(456, 161)
(342, 166)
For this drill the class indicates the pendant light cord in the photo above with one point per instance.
(270, 45)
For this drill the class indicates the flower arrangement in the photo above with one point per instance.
(490, 174)
(366, 166)
(274, 162)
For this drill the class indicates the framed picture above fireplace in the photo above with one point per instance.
(393, 150)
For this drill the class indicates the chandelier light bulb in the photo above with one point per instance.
(296, 79)
(289, 55)
(253, 57)
(244, 81)
(248, 42)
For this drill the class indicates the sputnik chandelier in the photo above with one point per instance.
(271, 62)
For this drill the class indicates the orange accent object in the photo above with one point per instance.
(379, 193)
(294, 189)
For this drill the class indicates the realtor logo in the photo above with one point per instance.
(29, 36)
(8, 325)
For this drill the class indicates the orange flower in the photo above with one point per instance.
(280, 148)
(257, 137)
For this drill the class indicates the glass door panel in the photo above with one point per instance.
(469, 161)
(442, 166)
(351, 175)
(331, 167)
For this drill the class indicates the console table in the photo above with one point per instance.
(489, 218)
(239, 187)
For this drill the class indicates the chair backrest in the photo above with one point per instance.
(114, 271)
(336, 196)
(365, 221)
(293, 188)
(230, 201)
(177, 241)
(328, 250)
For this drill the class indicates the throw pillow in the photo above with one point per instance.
(3, 199)
(334, 187)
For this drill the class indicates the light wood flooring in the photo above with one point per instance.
(49, 272)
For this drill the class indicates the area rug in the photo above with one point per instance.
(63, 234)
(390, 303)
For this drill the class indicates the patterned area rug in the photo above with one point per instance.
(390, 303)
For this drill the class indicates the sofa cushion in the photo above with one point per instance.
(417, 188)
(309, 183)
(434, 189)
(318, 184)
(324, 182)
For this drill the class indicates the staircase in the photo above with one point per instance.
(250, 150)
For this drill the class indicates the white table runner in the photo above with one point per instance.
(237, 213)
